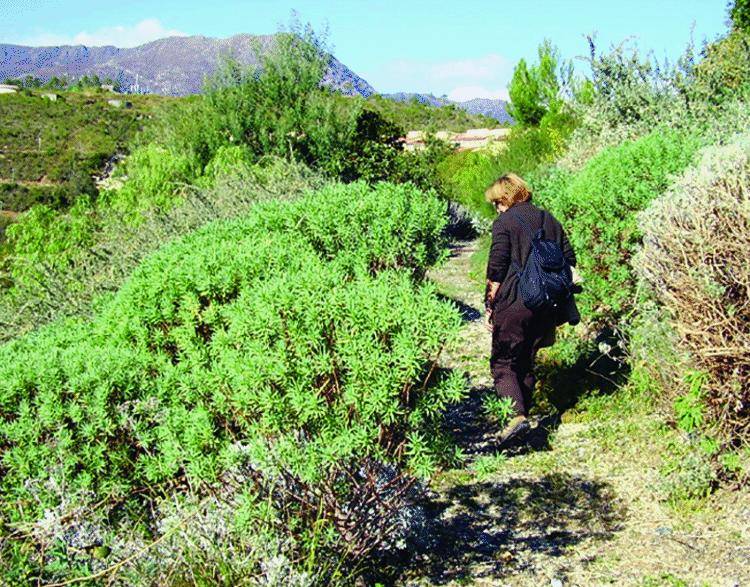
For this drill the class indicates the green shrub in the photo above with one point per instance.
(598, 208)
(724, 69)
(154, 177)
(239, 113)
(270, 343)
(379, 227)
(226, 162)
(20, 197)
(687, 472)
(633, 95)
(42, 235)
(658, 365)
(466, 175)
(278, 109)
(58, 264)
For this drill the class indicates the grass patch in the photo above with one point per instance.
(478, 261)
(51, 150)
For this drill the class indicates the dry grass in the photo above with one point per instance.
(696, 258)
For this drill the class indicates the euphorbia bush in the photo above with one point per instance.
(267, 344)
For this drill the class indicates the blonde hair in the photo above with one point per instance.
(508, 190)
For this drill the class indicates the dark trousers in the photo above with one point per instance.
(517, 335)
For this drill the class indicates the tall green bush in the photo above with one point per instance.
(153, 176)
(294, 342)
(598, 208)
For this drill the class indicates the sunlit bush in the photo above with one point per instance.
(695, 258)
(598, 207)
(59, 263)
(293, 346)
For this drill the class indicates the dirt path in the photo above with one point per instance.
(581, 506)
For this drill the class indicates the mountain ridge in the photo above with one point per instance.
(173, 66)
(178, 66)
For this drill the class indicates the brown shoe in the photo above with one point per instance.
(515, 427)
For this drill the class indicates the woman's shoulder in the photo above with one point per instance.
(535, 209)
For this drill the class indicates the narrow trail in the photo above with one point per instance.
(579, 505)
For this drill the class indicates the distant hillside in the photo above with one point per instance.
(497, 109)
(428, 99)
(50, 151)
(430, 116)
(175, 66)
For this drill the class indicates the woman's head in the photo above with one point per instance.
(506, 191)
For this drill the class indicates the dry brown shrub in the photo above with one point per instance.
(696, 259)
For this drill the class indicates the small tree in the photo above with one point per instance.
(739, 12)
(538, 89)
(525, 97)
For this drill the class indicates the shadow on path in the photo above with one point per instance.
(477, 435)
(491, 530)
(468, 313)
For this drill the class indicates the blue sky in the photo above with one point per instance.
(463, 48)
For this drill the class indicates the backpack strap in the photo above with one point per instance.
(541, 226)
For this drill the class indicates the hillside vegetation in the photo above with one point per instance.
(414, 115)
(251, 359)
(51, 151)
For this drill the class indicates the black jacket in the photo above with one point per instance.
(512, 242)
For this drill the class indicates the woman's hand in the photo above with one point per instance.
(488, 320)
(489, 295)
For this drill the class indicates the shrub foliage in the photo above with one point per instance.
(294, 342)
(695, 260)
(598, 207)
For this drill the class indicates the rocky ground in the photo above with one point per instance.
(580, 503)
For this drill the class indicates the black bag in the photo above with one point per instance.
(546, 282)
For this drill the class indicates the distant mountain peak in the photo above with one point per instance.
(173, 66)
(494, 108)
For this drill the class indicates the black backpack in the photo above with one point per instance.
(546, 282)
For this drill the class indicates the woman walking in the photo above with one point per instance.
(517, 331)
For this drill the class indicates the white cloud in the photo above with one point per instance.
(142, 32)
(486, 76)
(463, 93)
